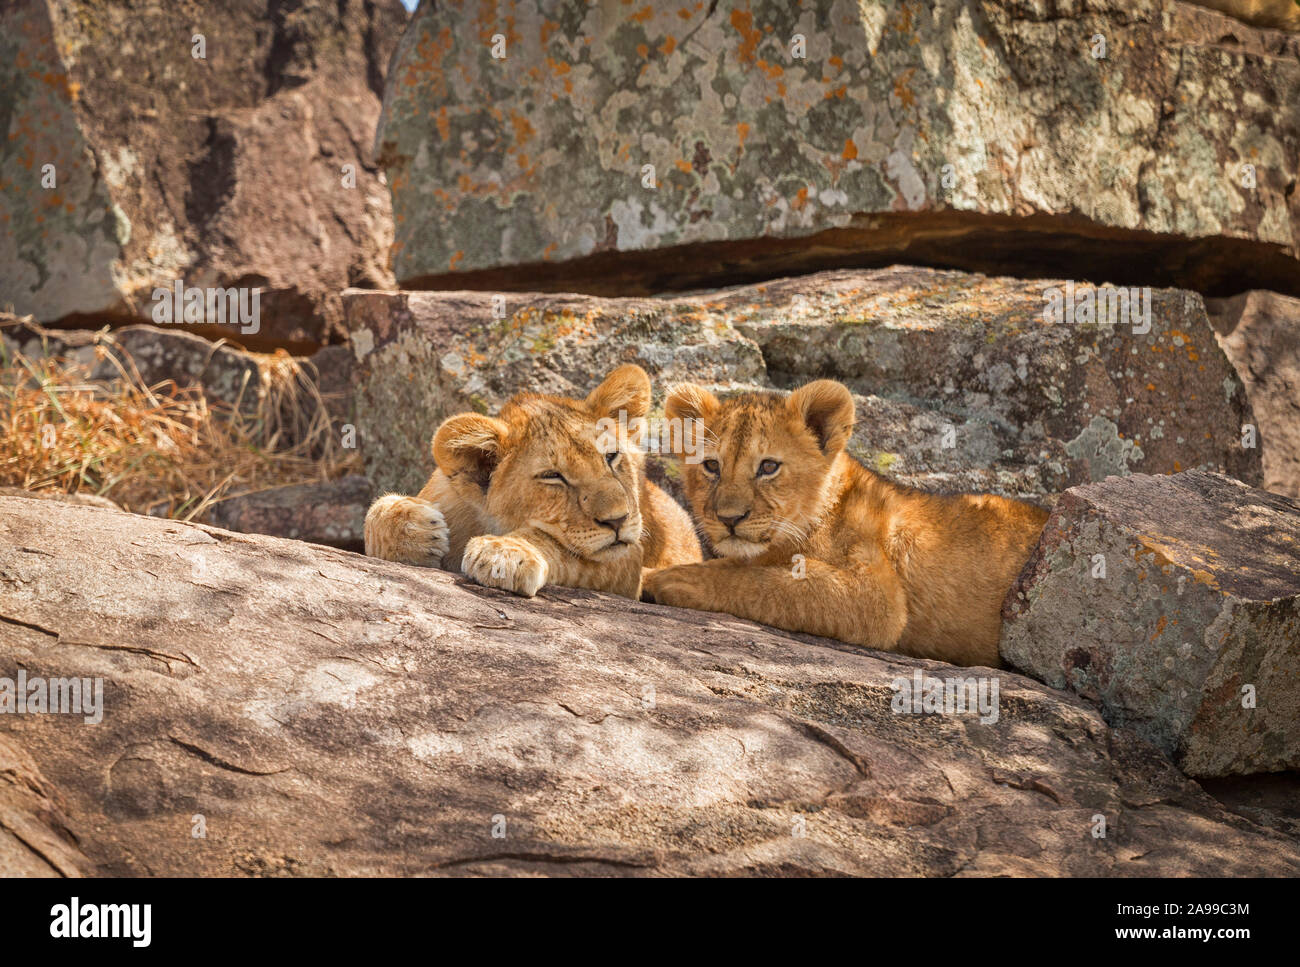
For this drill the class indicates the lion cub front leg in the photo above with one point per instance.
(409, 530)
(513, 562)
(525, 560)
(865, 606)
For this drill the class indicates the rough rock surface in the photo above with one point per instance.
(225, 170)
(332, 512)
(1107, 139)
(1260, 332)
(34, 835)
(1186, 628)
(328, 713)
(961, 383)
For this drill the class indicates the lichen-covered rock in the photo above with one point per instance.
(1260, 332)
(332, 714)
(1147, 141)
(332, 512)
(131, 162)
(1174, 602)
(962, 382)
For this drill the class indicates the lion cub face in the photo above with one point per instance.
(760, 475)
(545, 463)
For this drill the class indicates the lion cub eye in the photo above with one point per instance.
(710, 466)
(768, 467)
(552, 476)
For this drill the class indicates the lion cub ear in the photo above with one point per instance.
(469, 444)
(688, 408)
(686, 401)
(826, 408)
(626, 390)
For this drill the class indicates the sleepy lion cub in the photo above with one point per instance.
(542, 494)
(812, 541)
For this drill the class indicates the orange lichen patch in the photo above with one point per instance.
(742, 132)
(837, 63)
(1151, 387)
(771, 70)
(443, 123)
(837, 92)
(549, 251)
(743, 21)
(642, 51)
(850, 150)
(1160, 627)
(800, 199)
(643, 15)
(455, 260)
(558, 67)
(684, 13)
(683, 165)
(548, 27)
(903, 91)
(429, 53)
(668, 46)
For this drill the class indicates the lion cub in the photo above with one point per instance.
(541, 494)
(812, 541)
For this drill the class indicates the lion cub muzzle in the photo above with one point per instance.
(609, 509)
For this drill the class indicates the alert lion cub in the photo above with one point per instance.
(541, 494)
(812, 541)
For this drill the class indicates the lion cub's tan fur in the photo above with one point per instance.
(812, 541)
(541, 494)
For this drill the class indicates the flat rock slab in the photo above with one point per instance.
(34, 836)
(1174, 602)
(328, 713)
(629, 148)
(961, 382)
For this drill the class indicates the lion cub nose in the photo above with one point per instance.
(613, 523)
(731, 522)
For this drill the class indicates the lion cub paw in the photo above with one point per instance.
(408, 530)
(508, 563)
(682, 586)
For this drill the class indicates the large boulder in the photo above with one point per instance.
(272, 707)
(962, 381)
(626, 148)
(1260, 332)
(1173, 602)
(222, 170)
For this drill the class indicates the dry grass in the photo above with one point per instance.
(160, 449)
